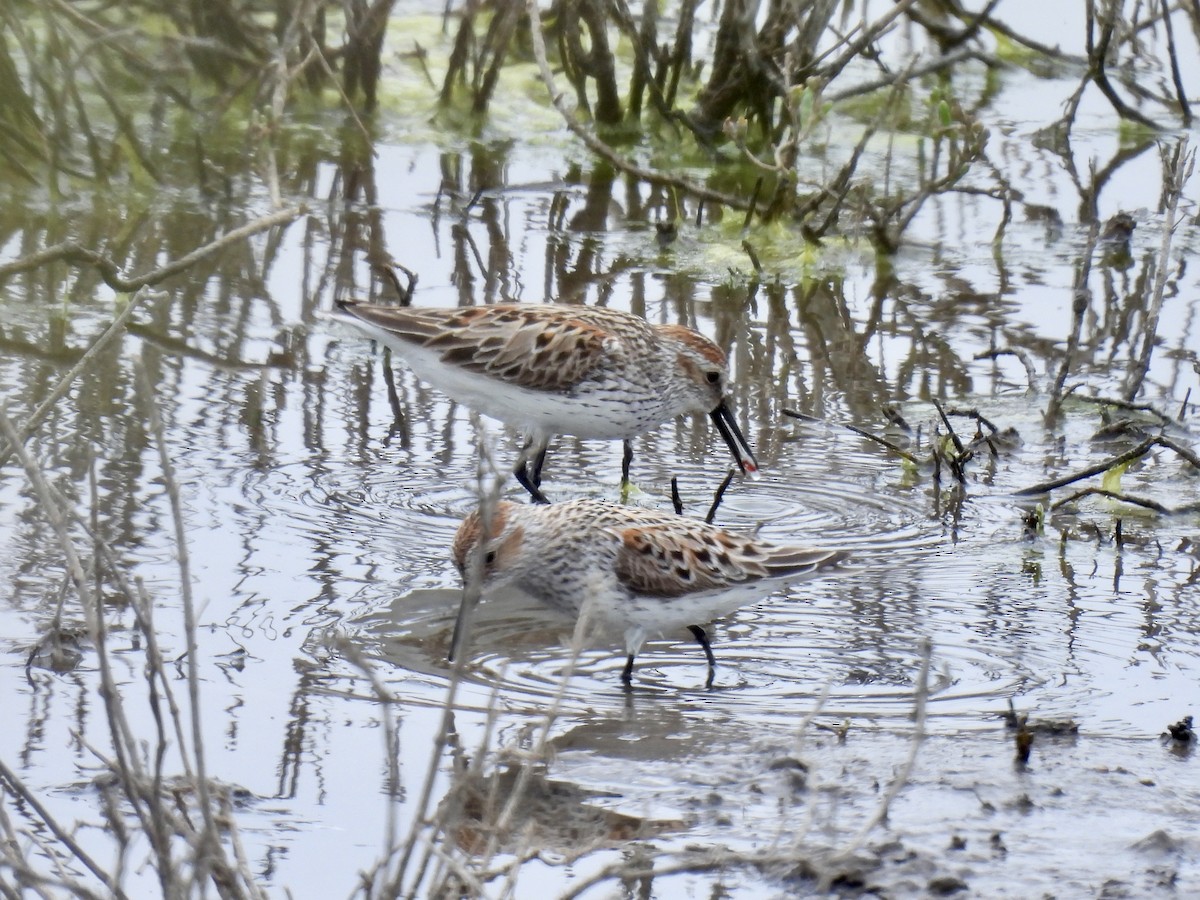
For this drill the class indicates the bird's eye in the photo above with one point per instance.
(713, 377)
(489, 558)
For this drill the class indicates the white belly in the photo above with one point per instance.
(584, 414)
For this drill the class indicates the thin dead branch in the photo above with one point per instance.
(1129, 455)
(1080, 298)
(209, 838)
(884, 442)
(1021, 355)
(1121, 403)
(1143, 502)
(1178, 164)
(73, 252)
(904, 773)
(13, 783)
(719, 496)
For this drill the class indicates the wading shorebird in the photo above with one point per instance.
(585, 371)
(642, 571)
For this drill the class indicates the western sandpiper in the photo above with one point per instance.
(642, 571)
(586, 371)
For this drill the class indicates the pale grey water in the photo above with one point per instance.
(313, 519)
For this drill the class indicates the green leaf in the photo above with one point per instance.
(1112, 478)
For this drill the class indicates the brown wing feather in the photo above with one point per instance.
(539, 348)
(658, 560)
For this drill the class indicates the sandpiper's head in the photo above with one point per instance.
(704, 373)
(501, 545)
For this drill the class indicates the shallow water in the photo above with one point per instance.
(317, 523)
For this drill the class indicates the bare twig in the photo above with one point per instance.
(128, 766)
(976, 415)
(1120, 403)
(884, 442)
(864, 40)
(208, 851)
(73, 252)
(1177, 167)
(1112, 495)
(1176, 77)
(961, 455)
(898, 79)
(758, 183)
(391, 742)
(18, 788)
(676, 500)
(1097, 59)
(1030, 371)
(488, 487)
(920, 699)
(895, 448)
(958, 444)
(754, 260)
(719, 496)
(1171, 444)
(1079, 304)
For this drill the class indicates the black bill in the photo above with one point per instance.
(734, 439)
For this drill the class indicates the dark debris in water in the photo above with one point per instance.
(1024, 742)
(793, 770)
(1158, 841)
(1181, 732)
(945, 885)
(1052, 726)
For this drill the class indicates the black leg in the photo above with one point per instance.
(538, 462)
(627, 673)
(701, 637)
(534, 491)
(626, 461)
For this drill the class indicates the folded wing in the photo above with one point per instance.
(665, 561)
(538, 348)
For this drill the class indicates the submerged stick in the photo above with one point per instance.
(884, 442)
(676, 500)
(719, 496)
(753, 203)
(1044, 487)
(1143, 502)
